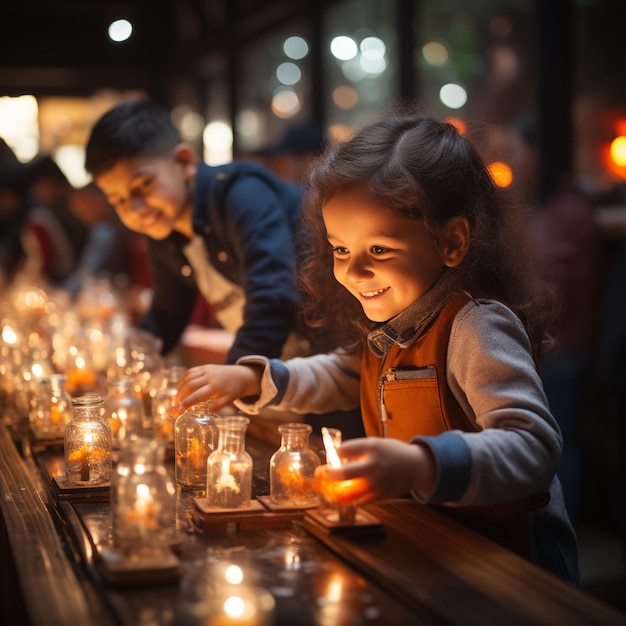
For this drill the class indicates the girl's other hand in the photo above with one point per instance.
(219, 383)
(391, 468)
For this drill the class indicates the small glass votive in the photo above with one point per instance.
(229, 468)
(195, 438)
(123, 408)
(165, 404)
(338, 494)
(88, 443)
(292, 467)
(143, 499)
(51, 408)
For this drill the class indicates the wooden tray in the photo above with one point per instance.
(119, 570)
(255, 517)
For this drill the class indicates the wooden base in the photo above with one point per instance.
(80, 493)
(118, 569)
(325, 522)
(266, 501)
(255, 517)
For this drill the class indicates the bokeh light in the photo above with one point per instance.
(343, 48)
(453, 95)
(500, 173)
(295, 48)
(120, 30)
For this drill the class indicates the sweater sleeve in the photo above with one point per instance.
(492, 375)
(315, 384)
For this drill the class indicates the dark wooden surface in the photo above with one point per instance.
(424, 569)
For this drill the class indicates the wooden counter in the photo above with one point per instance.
(424, 568)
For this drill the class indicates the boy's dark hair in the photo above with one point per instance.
(130, 129)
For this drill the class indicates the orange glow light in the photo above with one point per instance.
(458, 123)
(341, 491)
(611, 164)
(618, 151)
(501, 173)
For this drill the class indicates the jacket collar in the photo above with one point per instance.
(409, 324)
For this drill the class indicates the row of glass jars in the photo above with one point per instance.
(204, 454)
(126, 407)
(210, 456)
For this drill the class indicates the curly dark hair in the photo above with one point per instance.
(421, 169)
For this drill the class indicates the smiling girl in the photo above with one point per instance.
(418, 268)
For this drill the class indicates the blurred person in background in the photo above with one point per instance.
(14, 208)
(568, 249)
(291, 157)
(107, 248)
(54, 236)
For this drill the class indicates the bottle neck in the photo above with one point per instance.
(294, 436)
(232, 441)
(232, 433)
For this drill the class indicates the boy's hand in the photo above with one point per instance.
(219, 383)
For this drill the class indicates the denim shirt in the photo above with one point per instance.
(248, 219)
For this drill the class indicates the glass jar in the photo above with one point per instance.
(229, 468)
(292, 467)
(51, 409)
(194, 440)
(88, 442)
(123, 408)
(143, 499)
(164, 410)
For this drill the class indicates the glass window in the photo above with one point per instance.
(274, 87)
(476, 59)
(358, 51)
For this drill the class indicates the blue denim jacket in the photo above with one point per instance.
(248, 219)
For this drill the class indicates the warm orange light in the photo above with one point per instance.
(458, 123)
(610, 163)
(341, 491)
(618, 151)
(501, 173)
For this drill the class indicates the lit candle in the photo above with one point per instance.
(226, 479)
(340, 492)
(197, 455)
(331, 452)
(55, 414)
(83, 456)
(144, 512)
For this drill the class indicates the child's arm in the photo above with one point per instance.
(316, 384)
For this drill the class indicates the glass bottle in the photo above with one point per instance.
(51, 408)
(229, 468)
(164, 410)
(123, 408)
(194, 440)
(88, 442)
(143, 499)
(292, 467)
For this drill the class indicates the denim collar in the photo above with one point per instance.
(409, 324)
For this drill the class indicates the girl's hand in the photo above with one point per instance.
(389, 467)
(220, 383)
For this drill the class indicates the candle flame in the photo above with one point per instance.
(331, 452)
